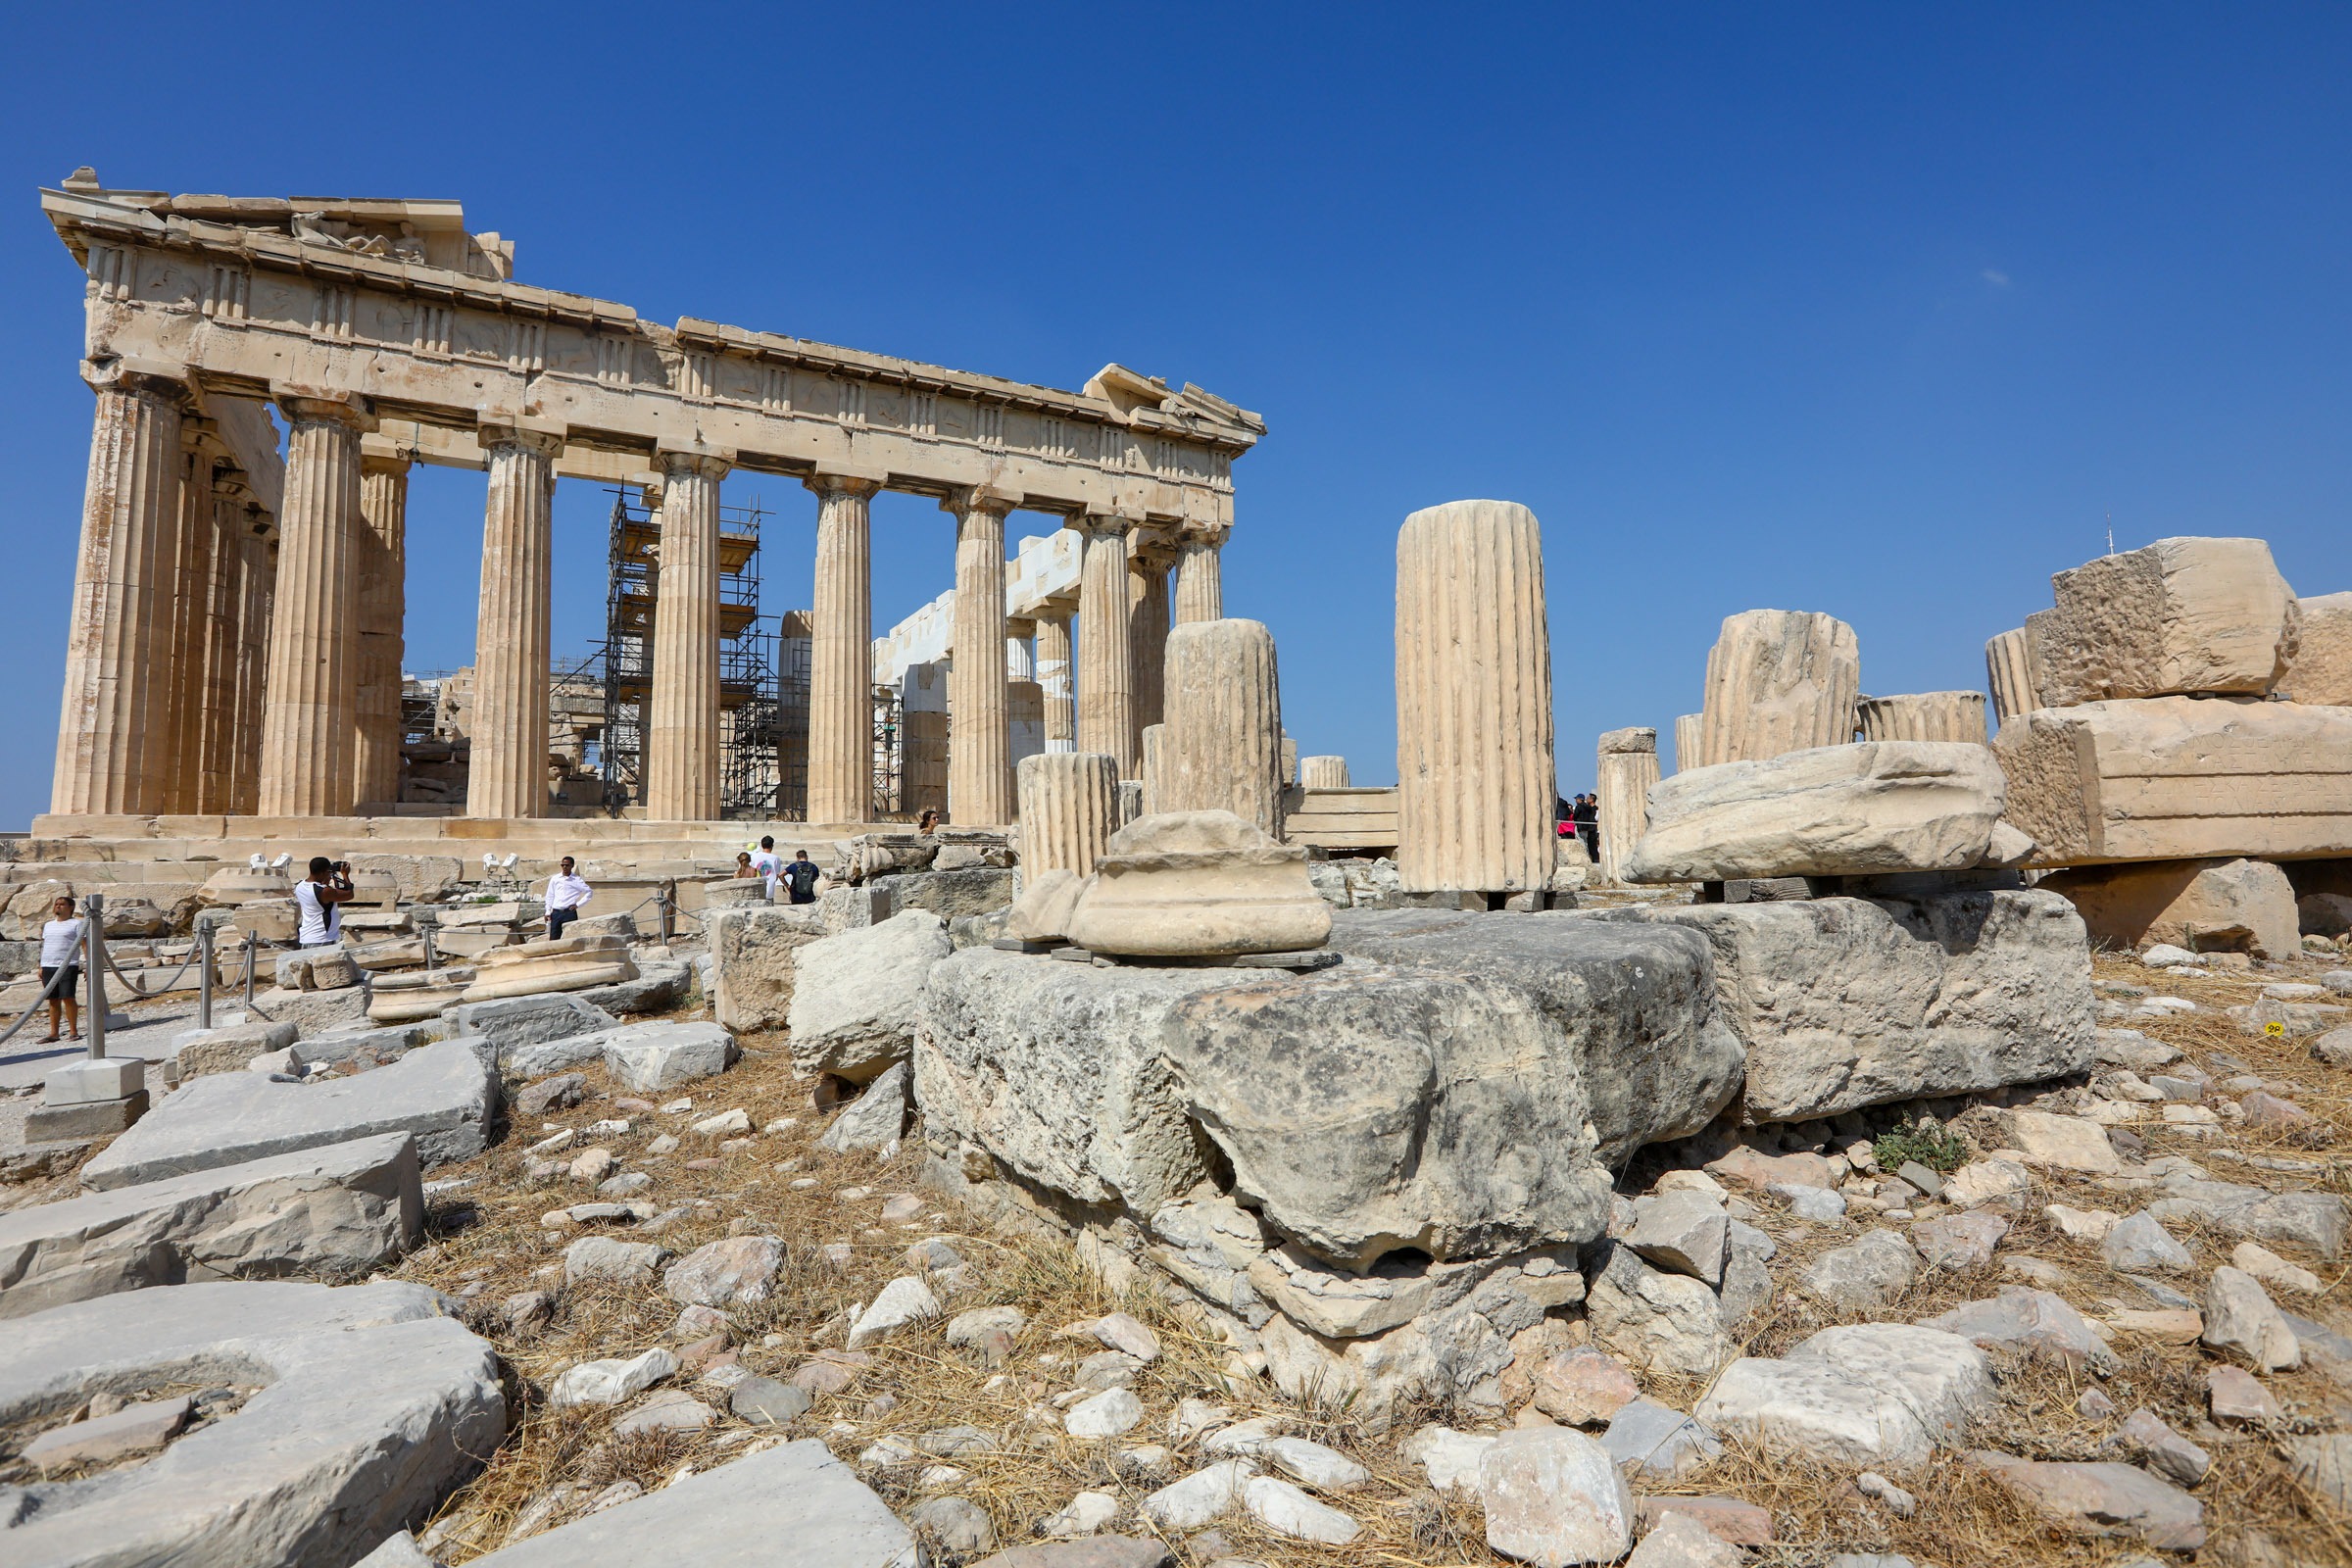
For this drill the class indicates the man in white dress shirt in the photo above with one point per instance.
(565, 893)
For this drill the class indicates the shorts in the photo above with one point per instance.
(72, 986)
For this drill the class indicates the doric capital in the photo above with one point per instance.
(1105, 525)
(828, 483)
(1205, 538)
(383, 462)
(694, 463)
(112, 372)
(307, 406)
(968, 498)
(232, 487)
(523, 432)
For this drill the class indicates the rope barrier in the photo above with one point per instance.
(48, 993)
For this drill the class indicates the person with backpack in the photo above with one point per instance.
(800, 877)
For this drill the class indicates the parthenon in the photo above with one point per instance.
(236, 634)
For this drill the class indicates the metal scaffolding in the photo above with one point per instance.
(753, 712)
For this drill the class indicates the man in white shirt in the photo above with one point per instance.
(60, 949)
(565, 893)
(319, 901)
(768, 864)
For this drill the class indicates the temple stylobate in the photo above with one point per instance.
(235, 646)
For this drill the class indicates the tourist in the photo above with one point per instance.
(1587, 813)
(742, 864)
(566, 891)
(768, 864)
(60, 965)
(800, 876)
(927, 825)
(320, 899)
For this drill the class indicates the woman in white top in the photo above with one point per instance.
(61, 949)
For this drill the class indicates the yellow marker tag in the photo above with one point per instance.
(2273, 1028)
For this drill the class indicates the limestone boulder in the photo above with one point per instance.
(513, 1022)
(752, 962)
(653, 1058)
(949, 895)
(2178, 778)
(791, 1506)
(441, 1095)
(1873, 807)
(857, 997)
(229, 1048)
(336, 1211)
(1056, 1071)
(1667, 1323)
(2319, 670)
(1461, 1084)
(1199, 884)
(1882, 1394)
(2101, 1499)
(415, 878)
(1554, 1498)
(2202, 905)
(1042, 913)
(1846, 1002)
(734, 1272)
(2189, 615)
(371, 1407)
(876, 1119)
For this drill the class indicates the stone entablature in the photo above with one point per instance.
(248, 311)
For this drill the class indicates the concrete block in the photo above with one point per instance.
(85, 1082)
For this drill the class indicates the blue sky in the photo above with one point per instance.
(1881, 310)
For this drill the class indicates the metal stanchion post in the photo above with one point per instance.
(204, 973)
(669, 899)
(251, 953)
(93, 937)
(427, 922)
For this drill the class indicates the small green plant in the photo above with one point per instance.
(1924, 1141)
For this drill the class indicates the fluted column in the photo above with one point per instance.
(1053, 679)
(2009, 669)
(1689, 743)
(681, 741)
(380, 546)
(1780, 682)
(312, 686)
(225, 597)
(1148, 638)
(1105, 678)
(1625, 765)
(1199, 583)
(1020, 651)
(1221, 747)
(508, 774)
(1069, 808)
(1474, 759)
(130, 496)
(1322, 772)
(1923, 716)
(257, 599)
(980, 738)
(178, 755)
(841, 693)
